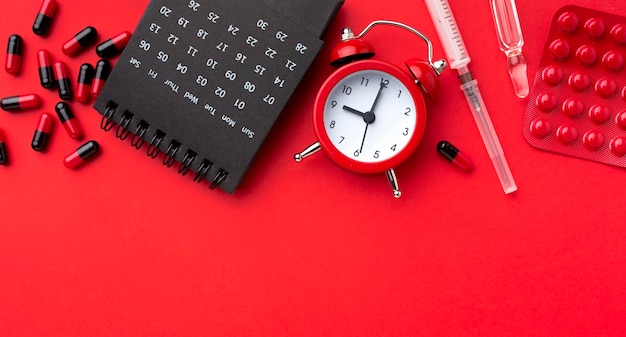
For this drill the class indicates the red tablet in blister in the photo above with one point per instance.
(577, 105)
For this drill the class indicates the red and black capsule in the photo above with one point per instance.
(85, 78)
(81, 154)
(80, 41)
(453, 154)
(4, 158)
(70, 124)
(103, 69)
(114, 45)
(15, 47)
(63, 81)
(20, 102)
(42, 132)
(44, 17)
(46, 71)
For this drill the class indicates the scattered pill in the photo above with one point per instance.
(46, 71)
(103, 69)
(66, 116)
(44, 17)
(453, 154)
(114, 45)
(42, 132)
(20, 102)
(80, 41)
(81, 154)
(63, 81)
(4, 158)
(15, 48)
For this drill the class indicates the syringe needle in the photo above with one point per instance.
(458, 58)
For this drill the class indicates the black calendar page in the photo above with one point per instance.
(211, 77)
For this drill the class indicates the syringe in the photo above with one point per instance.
(458, 58)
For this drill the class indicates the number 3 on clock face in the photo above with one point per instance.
(369, 116)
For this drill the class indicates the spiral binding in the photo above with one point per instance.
(205, 166)
(172, 149)
(122, 132)
(185, 164)
(137, 140)
(107, 121)
(153, 147)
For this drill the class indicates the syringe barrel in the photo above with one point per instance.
(449, 34)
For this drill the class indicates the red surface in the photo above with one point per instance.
(125, 247)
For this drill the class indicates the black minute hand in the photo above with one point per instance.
(383, 85)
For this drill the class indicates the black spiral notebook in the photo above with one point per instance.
(202, 82)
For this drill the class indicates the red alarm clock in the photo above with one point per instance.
(369, 115)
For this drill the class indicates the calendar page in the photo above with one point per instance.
(203, 82)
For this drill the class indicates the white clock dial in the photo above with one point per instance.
(370, 116)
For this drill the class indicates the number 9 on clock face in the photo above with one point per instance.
(369, 116)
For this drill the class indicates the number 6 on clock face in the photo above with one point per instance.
(369, 116)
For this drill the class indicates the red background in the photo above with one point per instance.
(124, 247)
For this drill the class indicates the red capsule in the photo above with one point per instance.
(20, 102)
(85, 78)
(46, 71)
(63, 81)
(114, 45)
(4, 159)
(80, 41)
(42, 133)
(66, 116)
(453, 154)
(44, 17)
(103, 69)
(81, 154)
(13, 62)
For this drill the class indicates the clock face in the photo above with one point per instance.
(372, 117)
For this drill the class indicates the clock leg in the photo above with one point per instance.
(312, 149)
(393, 181)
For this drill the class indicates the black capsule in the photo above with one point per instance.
(85, 79)
(114, 45)
(13, 62)
(63, 81)
(46, 72)
(80, 41)
(44, 17)
(3, 150)
(103, 69)
(42, 132)
(452, 154)
(84, 152)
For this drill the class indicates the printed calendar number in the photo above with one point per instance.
(194, 5)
